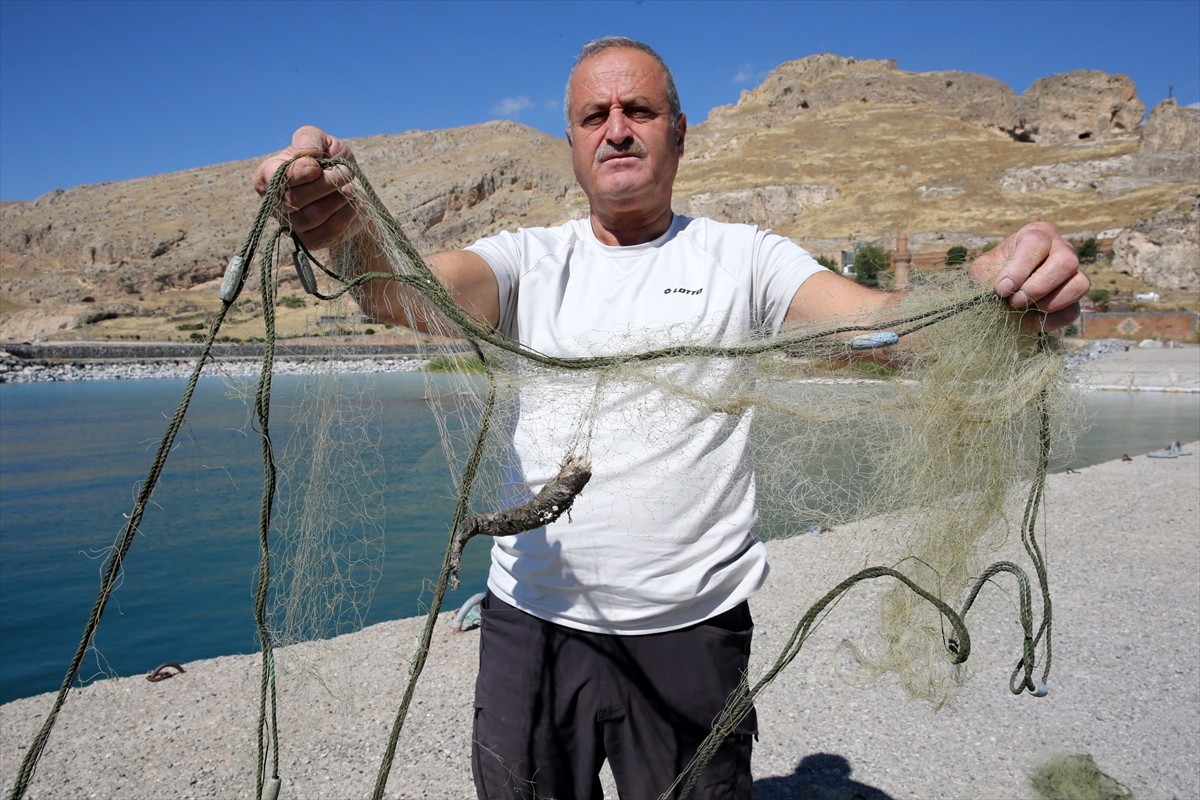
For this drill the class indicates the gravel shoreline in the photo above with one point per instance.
(1125, 685)
(1108, 364)
(14, 370)
(1124, 554)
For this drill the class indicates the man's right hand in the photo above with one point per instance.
(317, 206)
(314, 205)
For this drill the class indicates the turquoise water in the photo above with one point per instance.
(71, 456)
(71, 460)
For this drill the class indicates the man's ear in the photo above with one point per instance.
(680, 132)
(568, 133)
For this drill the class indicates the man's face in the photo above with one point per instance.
(624, 148)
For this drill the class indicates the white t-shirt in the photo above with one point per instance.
(662, 536)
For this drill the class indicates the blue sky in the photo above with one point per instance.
(99, 91)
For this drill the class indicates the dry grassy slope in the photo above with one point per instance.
(885, 160)
(150, 252)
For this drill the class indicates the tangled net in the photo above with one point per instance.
(932, 434)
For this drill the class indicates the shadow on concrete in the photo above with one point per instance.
(820, 776)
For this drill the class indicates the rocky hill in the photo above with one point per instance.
(1060, 109)
(828, 150)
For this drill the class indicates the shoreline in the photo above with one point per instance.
(166, 369)
(1106, 365)
(1122, 539)
(56, 362)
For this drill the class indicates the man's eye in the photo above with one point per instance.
(592, 120)
(642, 113)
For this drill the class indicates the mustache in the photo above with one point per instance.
(608, 151)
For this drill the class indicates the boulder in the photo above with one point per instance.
(1164, 250)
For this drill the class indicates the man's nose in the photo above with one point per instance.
(618, 132)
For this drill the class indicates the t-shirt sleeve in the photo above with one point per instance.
(502, 252)
(780, 267)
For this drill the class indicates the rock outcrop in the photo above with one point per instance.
(1163, 250)
(1075, 106)
(134, 238)
(1170, 148)
(760, 206)
(1080, 105)
(1108, 177)
(1169, 153)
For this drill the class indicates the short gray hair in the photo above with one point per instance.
(596, 46)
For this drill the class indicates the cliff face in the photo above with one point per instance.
(1076, 106)
(828, 150)
(1170, 148)
(104, 251)
(1163, 250)
(179, 229)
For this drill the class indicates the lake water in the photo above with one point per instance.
(71, 460)
(71, 457)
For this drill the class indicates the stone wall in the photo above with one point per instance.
(1166, 326)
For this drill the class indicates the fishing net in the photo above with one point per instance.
(1076, 776)
(933, 419)
(328, 535)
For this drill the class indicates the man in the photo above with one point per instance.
(620, 635)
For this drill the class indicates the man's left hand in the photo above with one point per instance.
(1036, 270)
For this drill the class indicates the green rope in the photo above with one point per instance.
(115, 565)
(268, 704)
(742, 702)
(958, 646)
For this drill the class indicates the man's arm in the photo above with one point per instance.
(1035, 269)
(320, 211)
(466, 275)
